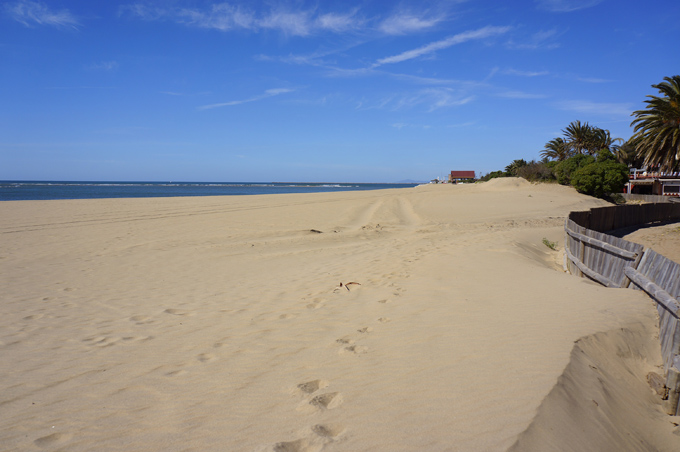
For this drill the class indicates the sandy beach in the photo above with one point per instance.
(221, 324)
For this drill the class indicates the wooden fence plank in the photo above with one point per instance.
(603, 245)
(656, 292)
(588, 272)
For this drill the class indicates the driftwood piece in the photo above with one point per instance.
(348, 284)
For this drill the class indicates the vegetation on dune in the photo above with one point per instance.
(589, 159)
(602, 177)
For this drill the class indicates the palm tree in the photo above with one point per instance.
(556, 149)
(512, 168)
(578, 136)
(657, 128)
(601, 139)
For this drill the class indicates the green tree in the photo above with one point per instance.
(578, 136)
(601, 178)
(493, 175)
(536, 172)
(657, 128)
(556, 149)
(602, 139)
(566, 168)
(512, 168)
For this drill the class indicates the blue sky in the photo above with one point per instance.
(356, 91)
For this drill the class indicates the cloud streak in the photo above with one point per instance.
(511, 71)
(460, 38)
(226, 17)
(32, 13)
(565, 6)
(268, 93)
(403, 23)
(598, 108)
(292, 22)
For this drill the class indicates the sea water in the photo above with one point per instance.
(45, 190)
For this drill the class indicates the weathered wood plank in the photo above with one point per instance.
(603, 245)
(656, 292)
(673, 385)
(588, 272)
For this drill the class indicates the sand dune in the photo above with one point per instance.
(219, 323)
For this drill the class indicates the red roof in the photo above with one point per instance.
(462, 174)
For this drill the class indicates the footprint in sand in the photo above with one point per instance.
(329, 430)
(366, 329)
(107, 341)
(327, 401)
(206, 357)
(141, 319)
(384, 319)
(52, 440)
(102, 341)
(311, 387)
(286, 316)
(181, 312)
(383, 301)
(355, 349)
(345, 340)
(316, 304)
(299, 445)
(33, 317)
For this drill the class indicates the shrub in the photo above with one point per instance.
(535, 172)
(566, 168)
(601, 178)
(493, 175)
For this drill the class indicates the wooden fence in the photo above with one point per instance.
(614, 262)
(648, 198)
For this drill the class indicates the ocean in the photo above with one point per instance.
(46, 190)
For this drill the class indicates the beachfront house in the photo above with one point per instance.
(459, 176)
(645, 182)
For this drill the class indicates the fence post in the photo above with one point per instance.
(673, 385)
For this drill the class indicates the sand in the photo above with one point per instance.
(219, 324)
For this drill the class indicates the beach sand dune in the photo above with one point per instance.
(220, 323)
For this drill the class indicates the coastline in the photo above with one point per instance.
(218, 323)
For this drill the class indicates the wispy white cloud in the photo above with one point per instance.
(32, 13)
(407, 22)
(511, 71)
(520, 95)
(565, 6)
(290, 23)
(433, 99)
(226, 17)
(593, 80)
(339, 23)
(461, 125)
(104, 66)
(268, 93)
(443, 44)
(544, 39)
(599, 108)
(401, 125)
(221, 16)
(435, 81)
